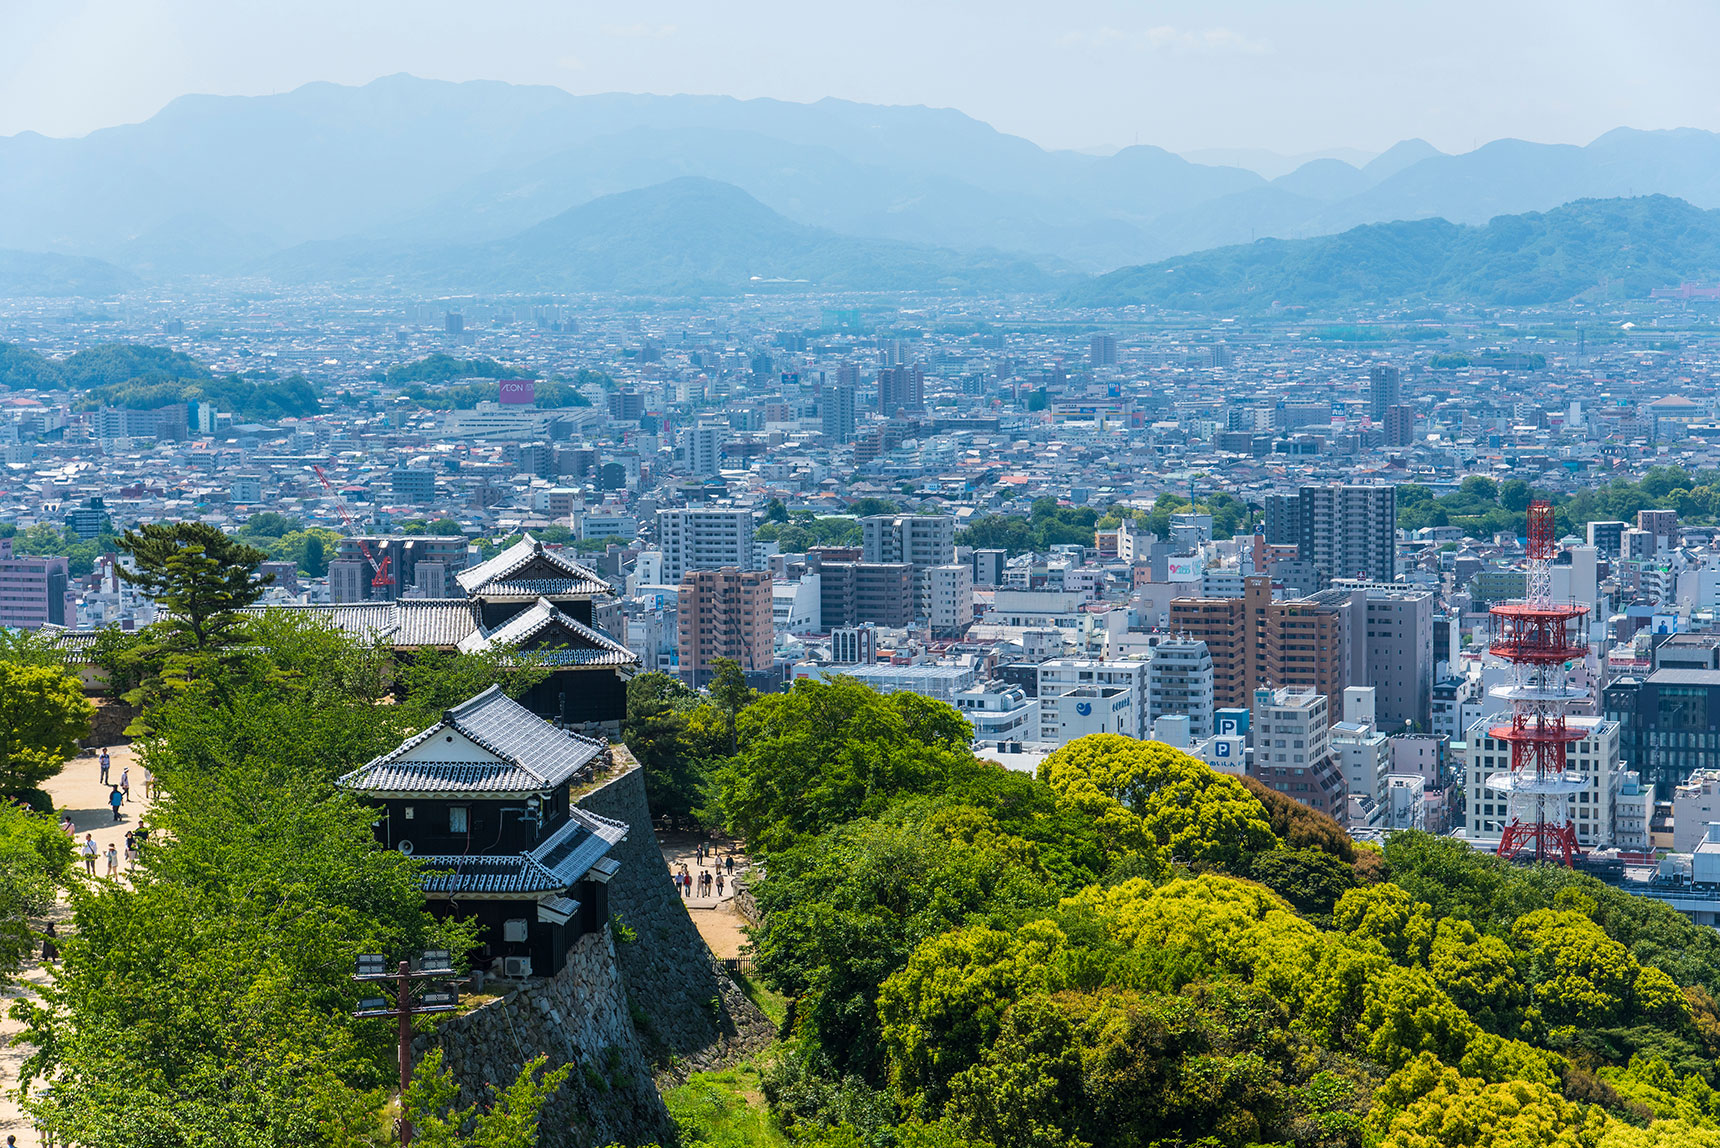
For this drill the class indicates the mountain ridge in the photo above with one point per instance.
(373, 163)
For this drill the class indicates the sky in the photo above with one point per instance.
(1293, 76)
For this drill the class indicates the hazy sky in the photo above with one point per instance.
(1291, 75)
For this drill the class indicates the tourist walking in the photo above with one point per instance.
(90, 852)
(130, 850)
(719, 883)
(116, 799)
(105, 762)
(730, 862)
(50, 943)
(148, 784)
(125, 783)
(113, 859)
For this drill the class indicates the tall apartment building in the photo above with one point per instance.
(169, 422)
(1283, 520)
(35, 591)
(1311, 643)
(1607, 537)
(1180, 682)
(1349, 531)
(706, 539)
(1222, 625)
(724, 613)
(1293, 749)
(901, 389)
(1400, 425)
(1385, 386)
(1102, 350)
(1400, 657)
(703, 445)
(949, 599)
(836, 413)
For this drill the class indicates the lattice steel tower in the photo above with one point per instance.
(1538, 637)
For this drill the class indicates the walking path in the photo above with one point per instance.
(79, 793)
(716, 917)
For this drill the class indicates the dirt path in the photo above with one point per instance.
(716, 917)
(79, 794)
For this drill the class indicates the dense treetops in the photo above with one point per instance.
(1132, 950)
(145, 378)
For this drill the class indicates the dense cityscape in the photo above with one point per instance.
(581, 582)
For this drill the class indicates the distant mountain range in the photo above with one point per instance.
(1622, 247)
(215, 185)
(51, 275)
(689, 236)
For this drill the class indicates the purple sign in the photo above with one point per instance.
(518, 391)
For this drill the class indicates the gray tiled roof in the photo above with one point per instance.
(556, 864)
(552, 569)
(580, 644)
(530, 754)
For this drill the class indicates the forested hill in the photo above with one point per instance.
(144, 378)
(1131, 949)
(1620, 248)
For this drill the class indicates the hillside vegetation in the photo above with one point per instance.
(1629, 245)
(1133, 950)
(144, 378)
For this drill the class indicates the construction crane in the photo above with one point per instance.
(381, 579)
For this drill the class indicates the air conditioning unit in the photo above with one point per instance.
(516, 966)
(514, 930)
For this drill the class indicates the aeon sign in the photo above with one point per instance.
(522, 391)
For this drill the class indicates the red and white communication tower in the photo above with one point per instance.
(1538, 637)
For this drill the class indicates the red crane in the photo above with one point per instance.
(380, 576)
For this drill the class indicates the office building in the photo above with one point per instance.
(1102, 350)
(988, 567)
(999, 713)
(1349, 531)
(171, 422)
(923, 541)
(421, 565)
(1293, 749)
(1222, 625)
(1180, 682)
(704, 540)
(1385, 385)
(918, 539)
(1283, 520)
(901, 390)
(35, 591)
(1669, 721)
(90, 519)
(413, 484)
(723, 613)
(836, 413)
(1607, 537)
(1066, 675)
(1088, 710)
(852, 593)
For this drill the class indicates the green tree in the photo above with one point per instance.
(730, 693)
(202, 576)
(508, 1117)
(315, 561)
(1187, 807)
(825, 753)
(659, 731)
(43, 715)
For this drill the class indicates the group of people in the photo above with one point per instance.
(120, 791)
(716, 878)
(134, 841)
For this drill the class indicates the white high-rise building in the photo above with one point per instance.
(1179, 683)
(704, 449)
(949, 594)
(704, 540)
(1063, 675)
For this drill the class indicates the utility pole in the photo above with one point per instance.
(373, 968)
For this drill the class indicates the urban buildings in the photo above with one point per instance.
(1349, 531)
(724, 613)
(33, 590)
(1180, 681)
(706, 539)
(1293, 749)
